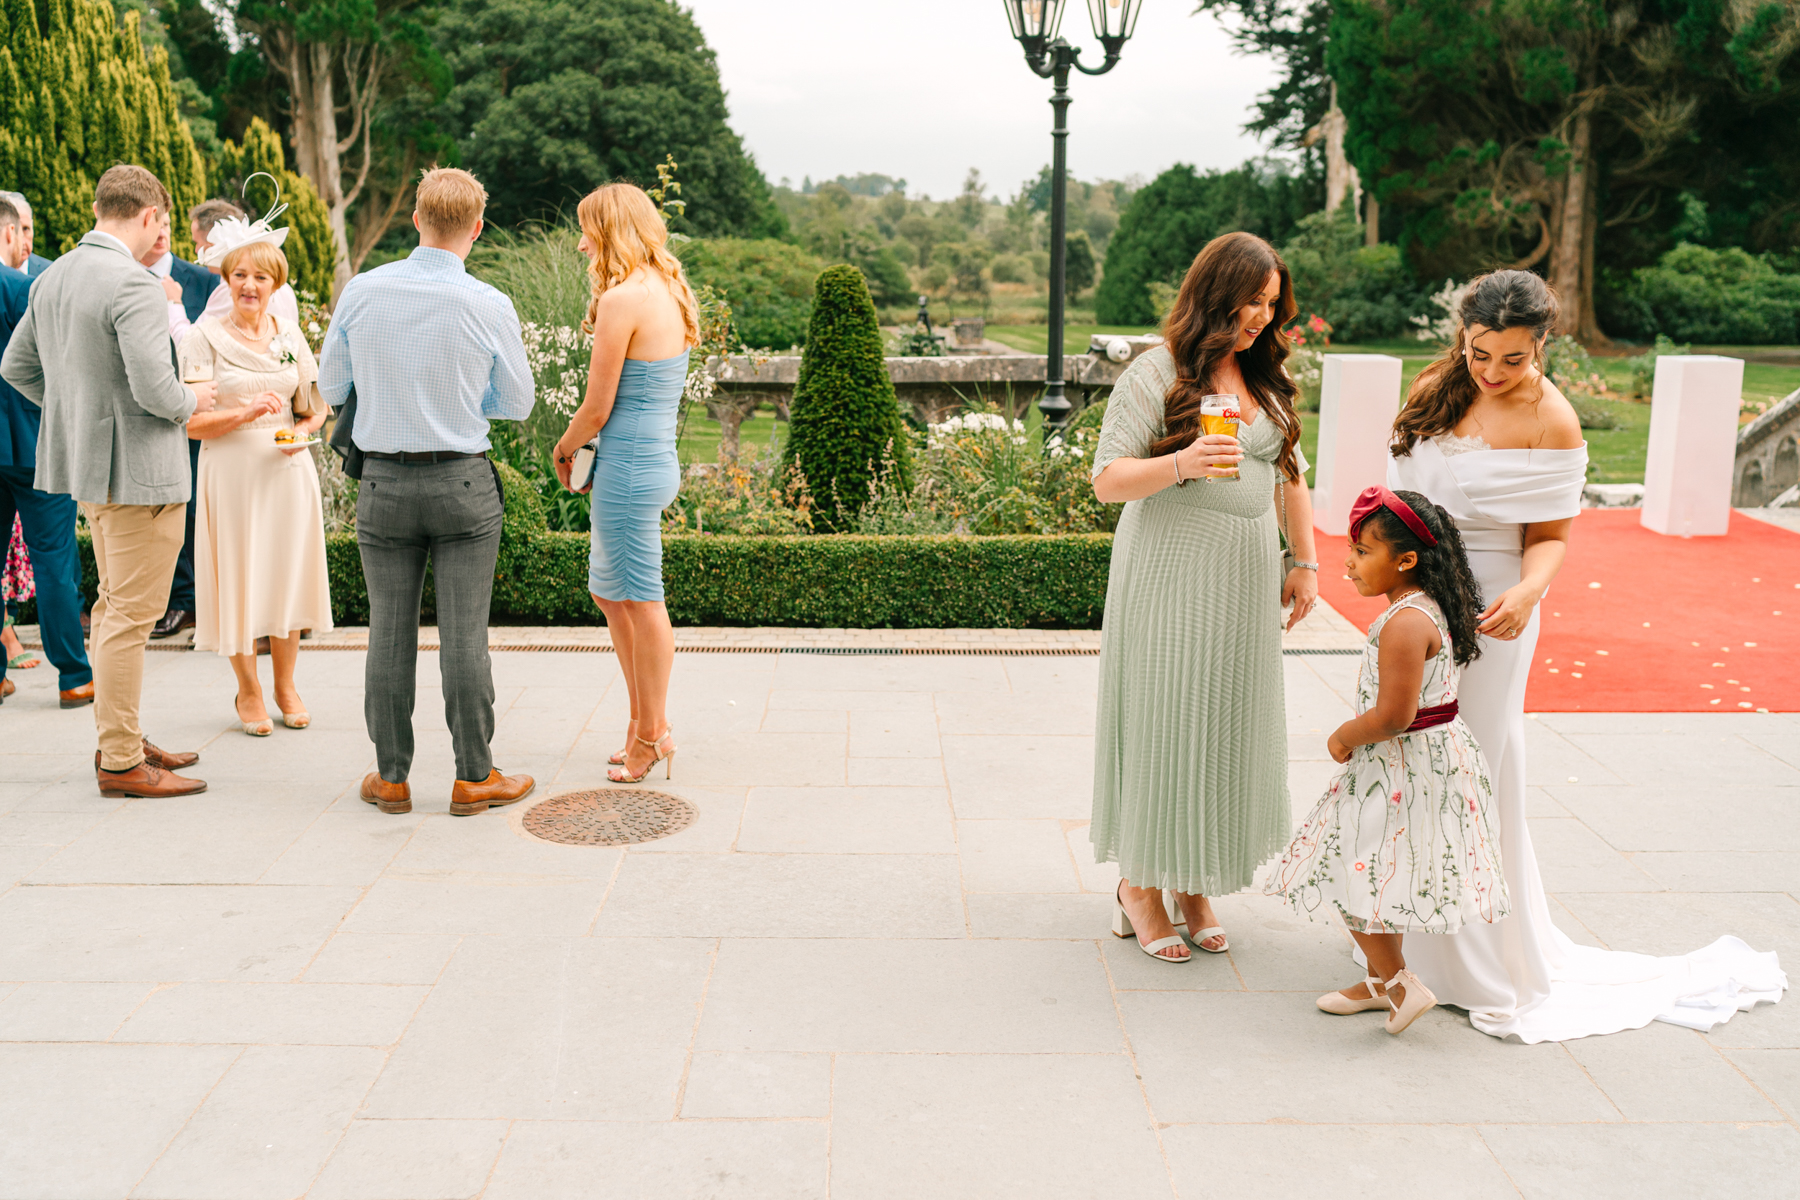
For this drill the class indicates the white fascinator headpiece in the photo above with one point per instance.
(232, 233)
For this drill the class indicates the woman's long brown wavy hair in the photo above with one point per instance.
(1202, 328)
(1444, 391)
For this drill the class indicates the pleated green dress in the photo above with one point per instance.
(1190, 745)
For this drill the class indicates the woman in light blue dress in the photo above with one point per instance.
(644, 321)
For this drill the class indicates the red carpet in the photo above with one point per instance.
(1640, 622)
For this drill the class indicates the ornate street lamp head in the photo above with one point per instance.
(1114, 21)
(1035, 24)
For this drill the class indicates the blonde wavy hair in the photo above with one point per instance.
(627, 232)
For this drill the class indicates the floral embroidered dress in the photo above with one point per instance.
(1402, 841)
(19, 584)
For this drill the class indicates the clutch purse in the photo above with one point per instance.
(581, 468)
(307, 400)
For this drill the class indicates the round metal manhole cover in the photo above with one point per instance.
(609, 817)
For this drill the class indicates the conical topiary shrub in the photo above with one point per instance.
(844, 421)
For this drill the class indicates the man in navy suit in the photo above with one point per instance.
(48, 518)
(33, 264)
(188, 285)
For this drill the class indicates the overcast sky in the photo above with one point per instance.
(926, 89)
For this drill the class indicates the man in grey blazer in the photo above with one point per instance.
(93, 353)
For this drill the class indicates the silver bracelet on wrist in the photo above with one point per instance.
(1176, 459)
(1306, 566)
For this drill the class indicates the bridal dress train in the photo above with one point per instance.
(1522, 976)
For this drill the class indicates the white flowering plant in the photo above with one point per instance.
(558, 356)
(987, 472)
(315, 319)
(1438, 322)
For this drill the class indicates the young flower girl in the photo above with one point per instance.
(1402, 841)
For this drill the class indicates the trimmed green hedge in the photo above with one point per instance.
(829, 580)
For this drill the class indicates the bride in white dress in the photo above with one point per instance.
(1488, 438)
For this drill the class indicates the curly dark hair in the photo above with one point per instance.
(1443, 571)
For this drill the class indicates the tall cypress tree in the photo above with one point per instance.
(844, 420)
(79, 93)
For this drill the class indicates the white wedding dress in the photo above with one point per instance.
(1521, 976)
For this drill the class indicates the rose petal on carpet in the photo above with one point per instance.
(1641, 622)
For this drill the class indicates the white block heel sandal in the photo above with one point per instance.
(1121, 927)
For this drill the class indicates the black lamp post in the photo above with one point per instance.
(1035, 24)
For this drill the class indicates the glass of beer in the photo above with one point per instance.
(1219, 414)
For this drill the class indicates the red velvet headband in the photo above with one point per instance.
(1379, 497)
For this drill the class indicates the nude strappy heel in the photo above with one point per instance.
(1340, 1005)
(618, 756)
(661, 756)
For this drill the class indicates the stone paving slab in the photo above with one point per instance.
(877, 965)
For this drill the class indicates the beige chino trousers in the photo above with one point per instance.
(135, 548)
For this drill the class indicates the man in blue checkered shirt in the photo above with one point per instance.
(434, 355)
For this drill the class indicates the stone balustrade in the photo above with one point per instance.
(1768, 455)
(933, 388)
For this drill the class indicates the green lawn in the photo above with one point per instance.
(700, 440)
(1035, 339)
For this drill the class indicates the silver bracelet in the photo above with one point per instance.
(1306, 566)
(1176, 459)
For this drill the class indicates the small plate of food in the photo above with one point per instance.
(287, 439)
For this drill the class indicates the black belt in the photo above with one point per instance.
(423, 456)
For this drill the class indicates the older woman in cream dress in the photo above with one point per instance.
(259, 553)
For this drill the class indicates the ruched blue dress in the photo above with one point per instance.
(636, 476)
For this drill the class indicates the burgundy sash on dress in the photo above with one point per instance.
(1433, 716)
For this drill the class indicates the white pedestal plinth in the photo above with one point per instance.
(1358, 402)
(1693, 443)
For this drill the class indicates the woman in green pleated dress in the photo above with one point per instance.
(1190, 748)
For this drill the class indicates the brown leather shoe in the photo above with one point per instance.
(497, 790)
(7, 688)
(146, 781)
(388, 797)
(172, 623)
(168, 760)
(76, 697)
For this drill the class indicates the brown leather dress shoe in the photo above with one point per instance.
(388, 797)
(146, 781)
(497, 790)
(7, 688)
(76, 697)
(168, 760)
(172, 623)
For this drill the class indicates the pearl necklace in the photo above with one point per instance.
(251, 334)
